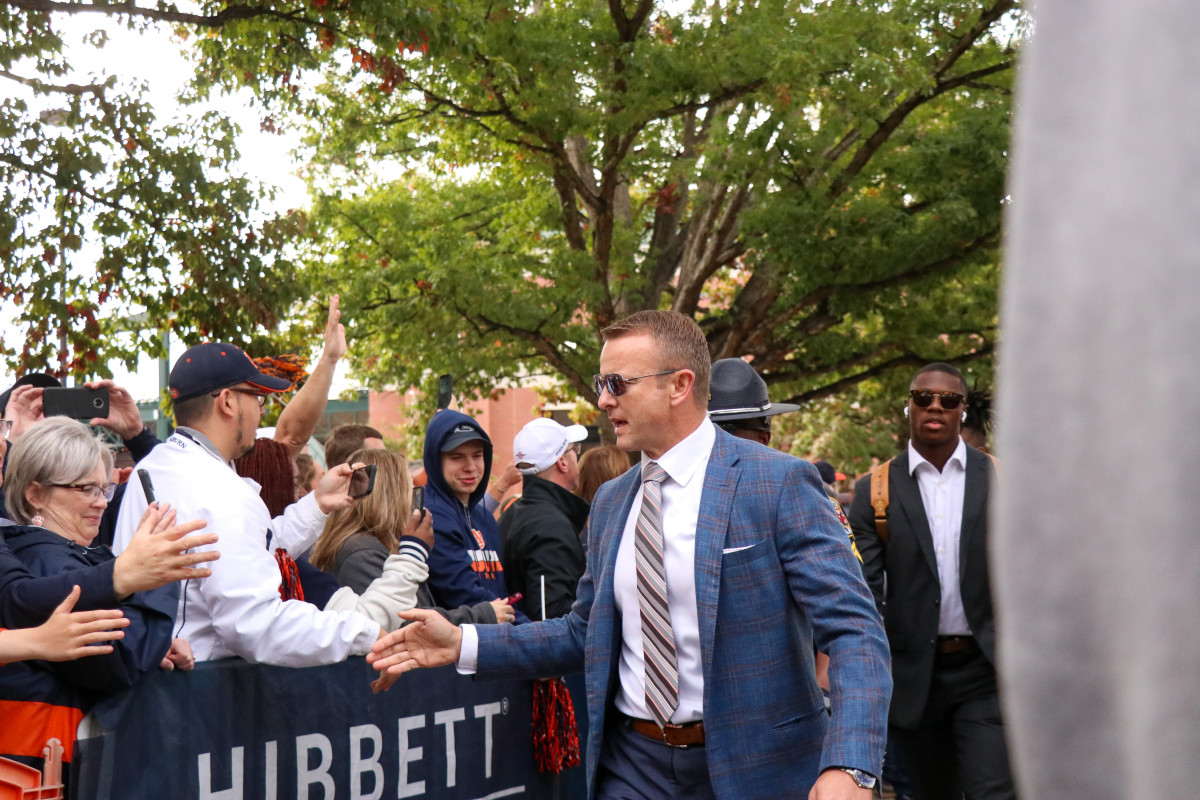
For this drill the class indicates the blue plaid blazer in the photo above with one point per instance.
(796, 583)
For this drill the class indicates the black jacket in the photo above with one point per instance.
(910, 606)
(540, 535)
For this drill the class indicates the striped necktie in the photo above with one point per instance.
(658, 641)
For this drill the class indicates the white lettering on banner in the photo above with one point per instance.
(366, 749)
(448, 718)
(204, 767)
(408, 754)
(360, 765)
(271, 790)
(306, 776)
(487, 711)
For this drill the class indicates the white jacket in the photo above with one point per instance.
(238, 610)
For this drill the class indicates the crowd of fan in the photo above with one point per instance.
(280, 559)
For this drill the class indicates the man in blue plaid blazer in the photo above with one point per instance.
(759, 571)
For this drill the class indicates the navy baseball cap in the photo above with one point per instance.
(212, 366)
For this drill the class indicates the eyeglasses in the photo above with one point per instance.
(5, 427)
(91, 490)
(923, 398)
(262, 398)
(616, 384)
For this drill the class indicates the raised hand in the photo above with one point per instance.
(123, 418)
(157, 553)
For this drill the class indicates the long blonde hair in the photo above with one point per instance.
(382, 514)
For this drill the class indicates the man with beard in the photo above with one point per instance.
(924, 551)
(218, 396)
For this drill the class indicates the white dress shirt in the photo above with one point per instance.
(685, 465)
(942, 494)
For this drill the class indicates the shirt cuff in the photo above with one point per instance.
(414, 547)
(468, 653)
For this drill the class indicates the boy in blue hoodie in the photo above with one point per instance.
(464, 567)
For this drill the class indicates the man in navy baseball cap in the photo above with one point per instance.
(212, 366)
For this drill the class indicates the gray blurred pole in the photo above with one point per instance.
(1097, 548)
(162, 428)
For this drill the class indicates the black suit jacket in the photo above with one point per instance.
(910, 598)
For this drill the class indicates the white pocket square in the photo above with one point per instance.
(729, 550)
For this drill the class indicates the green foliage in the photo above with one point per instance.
(819, 185)
(106, 211)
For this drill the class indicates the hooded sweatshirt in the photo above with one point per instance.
(464, 567)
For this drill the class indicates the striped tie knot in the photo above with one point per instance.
(652, 472)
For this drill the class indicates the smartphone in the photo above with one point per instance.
(513, 599)
(362, 480)
(418, 501)
(147, 485)
(79, 403)
(445, 390)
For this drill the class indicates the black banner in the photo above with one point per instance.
(233, 731)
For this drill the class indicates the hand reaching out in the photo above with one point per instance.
(430, 641)
(66, 635)
(157, 553)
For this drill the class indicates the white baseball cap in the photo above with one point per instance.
(542, 442)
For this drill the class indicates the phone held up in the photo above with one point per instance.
(362, 480)
(418, 501)
(76, 403)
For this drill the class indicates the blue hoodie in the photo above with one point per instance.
(464, 567)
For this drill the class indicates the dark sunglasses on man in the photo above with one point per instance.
(617, 385)
(923, 398)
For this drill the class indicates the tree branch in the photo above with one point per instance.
(227, 14)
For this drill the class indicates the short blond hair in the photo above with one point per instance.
(54, 451)
(680, 341)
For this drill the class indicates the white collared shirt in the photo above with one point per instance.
(685, 464)
(942, 494)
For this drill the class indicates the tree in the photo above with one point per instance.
(106, 211)
(819, 184)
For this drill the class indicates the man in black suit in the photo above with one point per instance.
(929, 574)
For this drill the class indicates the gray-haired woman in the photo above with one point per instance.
(56, 487)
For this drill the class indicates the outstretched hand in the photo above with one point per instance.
(66, 635)
(429, 641)
(157, 553)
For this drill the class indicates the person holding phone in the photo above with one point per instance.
(465, 567)
(22, 406)
(357, 541)
(218, 395)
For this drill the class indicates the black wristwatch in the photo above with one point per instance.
(865, 780)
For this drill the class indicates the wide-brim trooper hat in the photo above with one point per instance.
(736, 391)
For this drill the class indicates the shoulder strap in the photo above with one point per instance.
(879, 498)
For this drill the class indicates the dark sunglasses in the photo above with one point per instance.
(923, 398)
(616, 384)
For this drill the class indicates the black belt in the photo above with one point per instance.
(947, 645)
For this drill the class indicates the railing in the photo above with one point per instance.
(235, 731)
